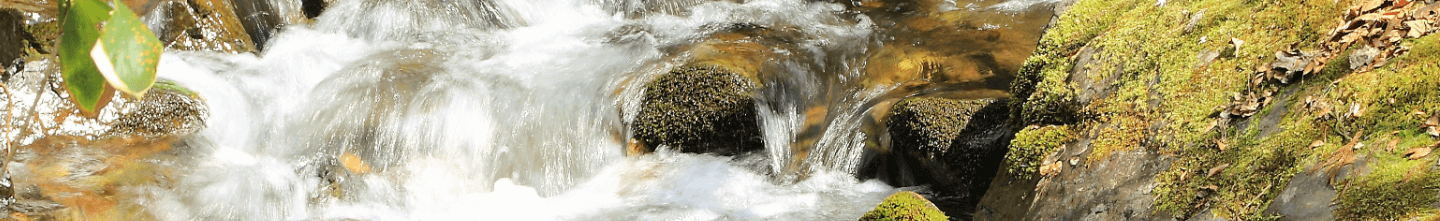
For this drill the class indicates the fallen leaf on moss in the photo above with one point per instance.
(1357, 110)
(1236, 42)
(1417, 153)
(1211, 187)
(1431, 124)
(1317, 143)
(1216, 170)
(1394, 142)
(1221, 144)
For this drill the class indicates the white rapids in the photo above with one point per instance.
(498, 110)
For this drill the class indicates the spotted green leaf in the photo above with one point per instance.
(127, 52)
(79, 31)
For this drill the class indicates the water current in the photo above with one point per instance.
(515, 110)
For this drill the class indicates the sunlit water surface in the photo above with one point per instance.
(506, 110)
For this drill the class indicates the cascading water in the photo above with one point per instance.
(512, 109)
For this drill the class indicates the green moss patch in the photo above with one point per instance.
(907, 206)
(1030, 146)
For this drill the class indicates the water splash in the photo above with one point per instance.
(491, 110)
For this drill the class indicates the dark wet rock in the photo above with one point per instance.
(12, 36)
(952, 145)
(1116, 188)
(1308, 196)
(260, 18)
(905, 205)
(699, 109)
(199, 25)
(313, 8)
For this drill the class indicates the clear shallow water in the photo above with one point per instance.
(510, 110)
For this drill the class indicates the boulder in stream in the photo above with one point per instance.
(699, 109)
(951, 145)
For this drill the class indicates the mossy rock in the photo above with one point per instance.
(699, 109)
(168, 109)
(904, 205)
(952, 145)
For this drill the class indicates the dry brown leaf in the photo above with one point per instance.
(1417, 153)
(1050, 169)
(1221, 144)
(1433, 121)
(1417, 28)
(1317, 143)
(1211, 126)
(1418, 113)
(354, 163)
(1217, 170)
(1237, 43)
(1393, 143)
(1211, 187)
(1400, 3)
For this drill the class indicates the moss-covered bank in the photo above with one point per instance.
(1189, 81)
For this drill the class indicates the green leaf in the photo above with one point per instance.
(79, 31)
(127, 52)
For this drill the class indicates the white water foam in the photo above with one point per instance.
(518, 118)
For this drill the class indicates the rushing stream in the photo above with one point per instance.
(513, 110)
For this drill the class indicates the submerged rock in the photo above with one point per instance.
(953, 145)
(904, 205)
(699, 109)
